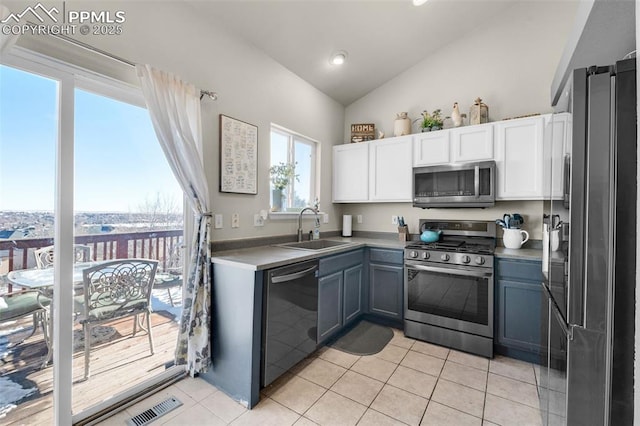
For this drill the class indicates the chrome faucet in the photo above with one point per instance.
(314, 210)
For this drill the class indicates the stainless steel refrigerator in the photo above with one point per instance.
(589, 285)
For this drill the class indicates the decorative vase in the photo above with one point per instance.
(426, 129)
(435, 127)
(479, 112)
(402, 125)
(276, 194)
(456, 117)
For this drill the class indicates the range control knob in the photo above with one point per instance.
(466, 259)
(480, 260)
(413, 254)
(444, 257)
(425, 255)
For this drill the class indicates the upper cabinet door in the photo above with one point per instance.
(519, 159)
(390, 163)
(472, 143)
(555, 149)
(431, 148)
(351, 172)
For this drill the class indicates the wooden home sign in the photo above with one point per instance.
(363, 132)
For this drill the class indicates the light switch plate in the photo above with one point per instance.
(217, 221)
(258, 220)
(325, 218)
(359, 218)
(394, 220)
(235, 220)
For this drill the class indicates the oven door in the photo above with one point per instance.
(454, 297)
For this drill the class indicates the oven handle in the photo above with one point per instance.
(452, 271)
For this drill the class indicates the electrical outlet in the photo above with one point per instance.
(235, 220)
(325, 218)
(217, 222)
(258, 220)
(394, 220)
(359, 218)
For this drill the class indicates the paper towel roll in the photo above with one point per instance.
(346, 225)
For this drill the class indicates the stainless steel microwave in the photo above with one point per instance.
(459, 185)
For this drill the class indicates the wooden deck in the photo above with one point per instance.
(117, 363)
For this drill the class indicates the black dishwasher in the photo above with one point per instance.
(291, 317)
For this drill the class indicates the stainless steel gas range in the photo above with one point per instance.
(448, 286)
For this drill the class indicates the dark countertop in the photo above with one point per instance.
(527, 254)
(523, 253)
(273, 256)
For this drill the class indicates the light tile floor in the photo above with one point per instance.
(408, 382)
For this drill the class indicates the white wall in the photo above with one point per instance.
(251, 86)
(377, 217)
(509, 63)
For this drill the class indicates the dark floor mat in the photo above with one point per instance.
(365, 338)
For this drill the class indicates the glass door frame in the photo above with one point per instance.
(69, 78)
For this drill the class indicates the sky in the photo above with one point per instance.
(119, 164)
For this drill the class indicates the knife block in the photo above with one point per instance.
(403, 233)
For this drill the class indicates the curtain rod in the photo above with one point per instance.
(210, 94)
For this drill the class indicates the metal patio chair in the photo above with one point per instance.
(44, 255)
(114, 290)
(171, 276)
(18, 304)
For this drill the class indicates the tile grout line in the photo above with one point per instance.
(486, 392)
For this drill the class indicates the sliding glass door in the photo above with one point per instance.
(28, 139)
(83, 172)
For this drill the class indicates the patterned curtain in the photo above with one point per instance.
(174, 107)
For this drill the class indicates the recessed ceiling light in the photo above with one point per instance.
(419, 2)
(338, 58)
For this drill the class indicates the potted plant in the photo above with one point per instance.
(436, 116)
(281, 176)
(431, 121)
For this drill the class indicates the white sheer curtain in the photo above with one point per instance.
(174, 106)
(6, 40)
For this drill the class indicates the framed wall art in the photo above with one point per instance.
(238, 156)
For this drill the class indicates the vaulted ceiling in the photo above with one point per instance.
(382, 38)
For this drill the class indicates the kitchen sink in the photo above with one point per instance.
(314, 244)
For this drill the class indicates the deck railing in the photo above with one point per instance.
(158, 245)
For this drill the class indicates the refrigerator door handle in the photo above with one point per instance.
(566, 328)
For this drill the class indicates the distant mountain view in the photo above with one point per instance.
(19, 225)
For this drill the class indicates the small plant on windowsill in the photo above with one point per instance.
(281, 176)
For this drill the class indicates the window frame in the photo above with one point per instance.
(294, 137)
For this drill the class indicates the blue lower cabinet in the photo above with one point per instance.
(329, 305)
(385, 291)
(340, 290)
(353, 290)
(518, 309)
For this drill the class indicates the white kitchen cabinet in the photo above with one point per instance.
(351, 173)
(519, 159)
(472, 143)
(557, 145)
(390, 170)
(431, 148)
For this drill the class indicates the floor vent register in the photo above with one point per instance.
(154, 412)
